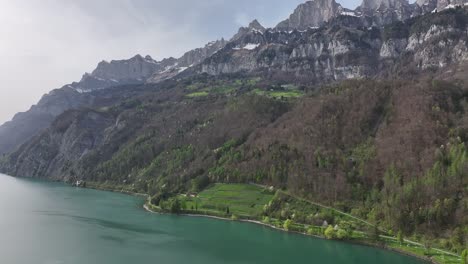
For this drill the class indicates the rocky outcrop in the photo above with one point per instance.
(393, 48)
(437, 47)
(311, 14)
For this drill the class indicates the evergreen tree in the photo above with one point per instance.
(464, 256)
(400, 237)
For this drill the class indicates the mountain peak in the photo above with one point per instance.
(118, 72)
(138, 56)
(311, 14)
(256, 25)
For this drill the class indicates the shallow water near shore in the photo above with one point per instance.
(52, 223)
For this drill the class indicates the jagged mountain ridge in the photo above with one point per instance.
(120, 72)
(374, 12)
(139, 70)
(310, 14)
(345, 48)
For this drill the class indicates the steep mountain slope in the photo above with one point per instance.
(25, 125)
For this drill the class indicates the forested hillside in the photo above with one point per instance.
(391, 151)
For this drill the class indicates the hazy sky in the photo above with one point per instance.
(46, 44)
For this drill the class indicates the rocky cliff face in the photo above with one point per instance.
(26, 125)
(196, 56)
(344, 48)
(321, 54)
(373, 12)
(311, 14)
(383, 12)
(67, 140)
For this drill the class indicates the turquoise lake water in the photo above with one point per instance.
(51, 223)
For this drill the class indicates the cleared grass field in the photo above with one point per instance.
(197, 94)
(280, 94)
(241, 199)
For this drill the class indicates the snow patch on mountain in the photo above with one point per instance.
(249, 46)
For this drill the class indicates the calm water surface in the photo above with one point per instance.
(51, 223)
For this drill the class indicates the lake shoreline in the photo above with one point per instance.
(117, 228)
(256, 222)
(362, 243)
